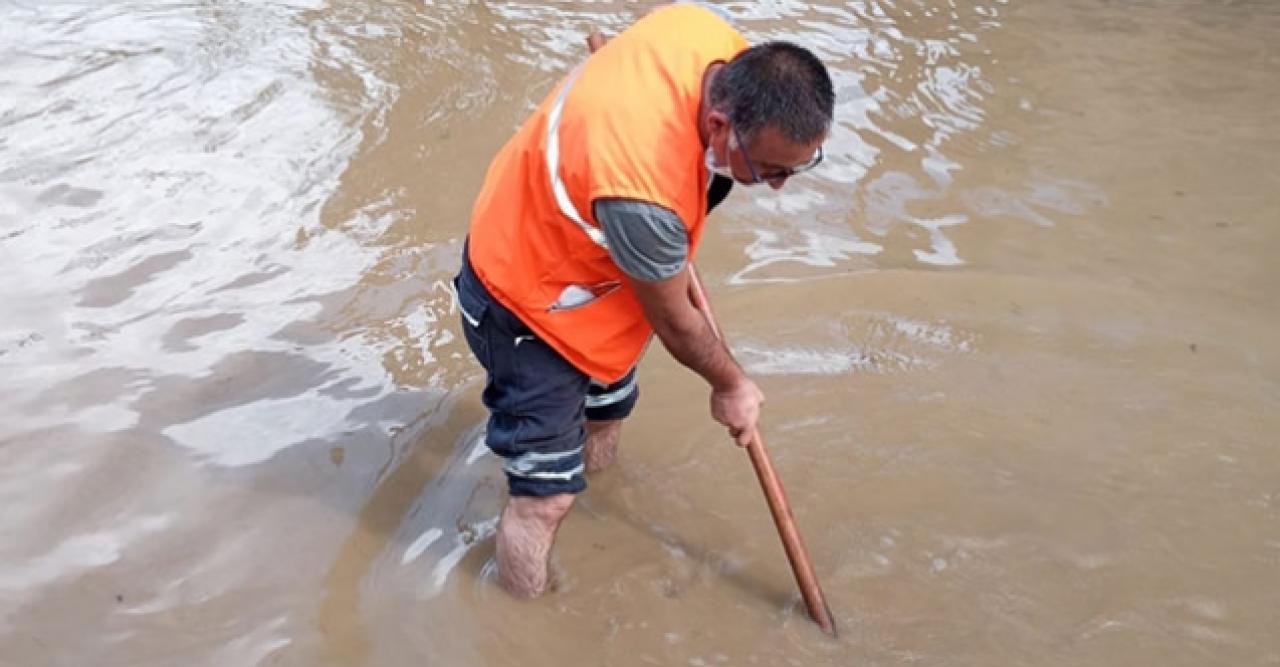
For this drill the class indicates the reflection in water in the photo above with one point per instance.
(817, 250)
(461, 506)
(1029, 299)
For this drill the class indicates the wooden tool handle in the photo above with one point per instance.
(775, 495)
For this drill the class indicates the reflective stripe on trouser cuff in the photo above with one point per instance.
(562, 476)
(612, 398)
(540, 465)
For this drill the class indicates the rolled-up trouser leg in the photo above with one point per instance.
(536, 399)
(613, 401)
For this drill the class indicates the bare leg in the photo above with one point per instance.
(602, 444)
(525, 535)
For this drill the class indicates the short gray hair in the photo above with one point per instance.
(776, 84)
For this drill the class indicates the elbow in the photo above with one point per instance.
(673, 330)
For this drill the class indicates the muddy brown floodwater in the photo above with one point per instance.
(1020, 336)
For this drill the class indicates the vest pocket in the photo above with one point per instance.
(575, 296)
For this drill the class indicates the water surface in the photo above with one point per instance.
(1017, 334)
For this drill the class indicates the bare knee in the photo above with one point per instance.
(547, 509)
(606, 428)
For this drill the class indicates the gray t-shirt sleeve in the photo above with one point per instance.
(647, 241)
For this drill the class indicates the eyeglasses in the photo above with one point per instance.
(780, 174)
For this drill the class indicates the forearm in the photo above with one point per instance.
(662, 278)
(691, 341)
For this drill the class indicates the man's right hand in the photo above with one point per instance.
(738, 408)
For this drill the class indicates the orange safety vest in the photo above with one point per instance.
(623, 125)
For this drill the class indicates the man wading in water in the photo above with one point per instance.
(581, 241)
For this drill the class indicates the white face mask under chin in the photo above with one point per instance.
(719, 170)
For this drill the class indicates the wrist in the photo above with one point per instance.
(728, 381)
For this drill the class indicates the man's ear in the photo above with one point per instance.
(718, 130)
(717, 121)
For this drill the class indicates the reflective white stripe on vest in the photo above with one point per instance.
(558, 190)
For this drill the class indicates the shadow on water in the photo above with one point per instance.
(603, 502)
(379, 527)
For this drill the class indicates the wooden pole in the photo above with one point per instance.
(775, 495)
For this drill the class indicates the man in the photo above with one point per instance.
(581, 241)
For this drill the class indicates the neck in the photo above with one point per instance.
(704, 108)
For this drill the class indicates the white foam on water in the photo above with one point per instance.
(761, 360)
(934, 335)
